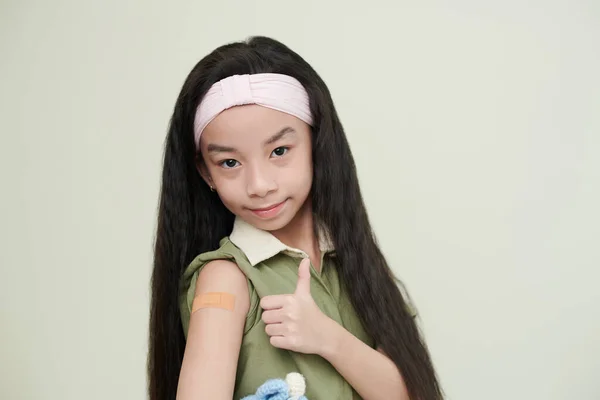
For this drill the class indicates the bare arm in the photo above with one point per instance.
(370, 372)
(215, 336)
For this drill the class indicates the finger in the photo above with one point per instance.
(273, 316)
(273, 302)
(275, 329)
(281, 342)
(303, 285)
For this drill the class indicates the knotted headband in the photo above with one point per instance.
(276, 91)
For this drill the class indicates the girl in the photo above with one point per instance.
(265, 261)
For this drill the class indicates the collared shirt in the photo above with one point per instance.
(259, 245)
(271, 268)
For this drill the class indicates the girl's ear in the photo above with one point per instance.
(203, 171)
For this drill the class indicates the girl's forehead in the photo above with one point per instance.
(251, 123)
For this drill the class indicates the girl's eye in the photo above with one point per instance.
(229, 163)
(278, 152)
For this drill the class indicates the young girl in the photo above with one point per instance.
(265, 261)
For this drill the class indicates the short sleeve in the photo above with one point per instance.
(187, 288)
(412, 310)
(408, 302)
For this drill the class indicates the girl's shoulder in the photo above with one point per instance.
(187, 286)
(226, 251)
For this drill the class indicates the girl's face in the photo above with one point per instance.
(259, 161)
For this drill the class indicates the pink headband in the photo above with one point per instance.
(276, 91)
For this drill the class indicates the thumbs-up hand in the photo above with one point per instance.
(294, 321)
(303, 285)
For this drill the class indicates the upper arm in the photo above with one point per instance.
(214, 336)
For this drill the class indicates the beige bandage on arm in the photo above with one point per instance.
(222, 300)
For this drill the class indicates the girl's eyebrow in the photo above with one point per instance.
(279, 135)
(217, 148)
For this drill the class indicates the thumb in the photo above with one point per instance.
(303, 286)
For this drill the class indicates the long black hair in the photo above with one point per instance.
(192, 220)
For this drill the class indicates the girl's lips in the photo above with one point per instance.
(269, 212)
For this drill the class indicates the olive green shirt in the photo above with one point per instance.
(271, 268)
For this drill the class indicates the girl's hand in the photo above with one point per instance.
(295, 322)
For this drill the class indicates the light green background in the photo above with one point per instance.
(476, 130)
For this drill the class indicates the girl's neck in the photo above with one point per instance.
(300, 233)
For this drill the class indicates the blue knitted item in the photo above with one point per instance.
(292, 388)
(273, 389)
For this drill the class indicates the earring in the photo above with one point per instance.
(212, 189)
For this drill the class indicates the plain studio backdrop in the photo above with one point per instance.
(476, 131)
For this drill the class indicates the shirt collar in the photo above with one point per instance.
(259, 245)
